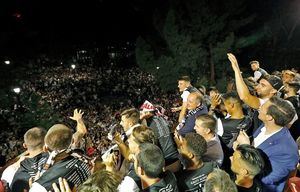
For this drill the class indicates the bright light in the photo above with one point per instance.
(7, 62)
(17, 90)
(73, 66)
(157, 68)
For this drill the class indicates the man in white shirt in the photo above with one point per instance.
(185, 87)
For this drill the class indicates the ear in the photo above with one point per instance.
(190, 155)
(207, 131)
(25, 146)
(244, 171)
(45, 148)
(140, 171)
(269, 117)
(273, 91)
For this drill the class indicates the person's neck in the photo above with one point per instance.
(237, 114)
(271, 128)
(290, 94)
(194, 164)
(147, 182)
(34, 153)
(245, 182)
(208, 137)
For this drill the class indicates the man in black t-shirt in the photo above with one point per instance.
(246, 163)
(149, 164)
(192, 147)
(154, 119)
(228, 127)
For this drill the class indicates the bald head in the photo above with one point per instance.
(194, 100)
(58, 137)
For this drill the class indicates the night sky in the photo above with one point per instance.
(26, 23)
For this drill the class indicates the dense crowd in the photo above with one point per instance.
(240, 140)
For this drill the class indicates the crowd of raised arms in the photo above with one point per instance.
(245, 139)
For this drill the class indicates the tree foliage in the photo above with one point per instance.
(198, 35)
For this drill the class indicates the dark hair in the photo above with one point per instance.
(233, 97)
(133, 114)
(281, 110)
(101, 181)
(34, 138)
(252, 157)
(151, 160)
(254, 62)
(184, 78)
(58, 137)
(208, 121)
(143, 134)
(196, 144)
(213, 89)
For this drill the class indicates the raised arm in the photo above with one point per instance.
(80, 128)
(241, 87)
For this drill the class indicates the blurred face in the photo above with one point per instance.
(286, 77)
(263, 112)
(264, 89)
(125, 123)
(133, 145)
(254, 66)
(192, 102)
(182, 85)
(236, 162)
(200, 129)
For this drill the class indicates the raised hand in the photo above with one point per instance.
(77, 115)
(215, 100)
(234, 62)
(63, 186)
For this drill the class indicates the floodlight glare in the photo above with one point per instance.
(7, 62)
(73, 66)
(17, 90)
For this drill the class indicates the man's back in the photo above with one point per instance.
(167, 183)
(72, 169)
(193, 180)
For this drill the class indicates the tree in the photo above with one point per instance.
(198, 36)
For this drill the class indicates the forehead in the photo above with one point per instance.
(181, 81)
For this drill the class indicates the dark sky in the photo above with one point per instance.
(30, 22)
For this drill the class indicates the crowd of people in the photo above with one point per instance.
(242, 140)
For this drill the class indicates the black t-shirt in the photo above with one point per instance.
(161, 129)
(256, 187)
(72, 169)
(230, 129)
(295, 128)
(28, 168)
(167, 184)
(193, 180)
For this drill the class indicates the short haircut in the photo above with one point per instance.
(213, 89)
(58, 137)
(208, 121)
(101, 181)
(252, 158)
(184, 78)
(143, 134)
(254, 62)
(281, 110)
(219, 181)
(34, 138)
(133, 114)
(196, 144)
(151, 160)
(198, 96)
(233, 97)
